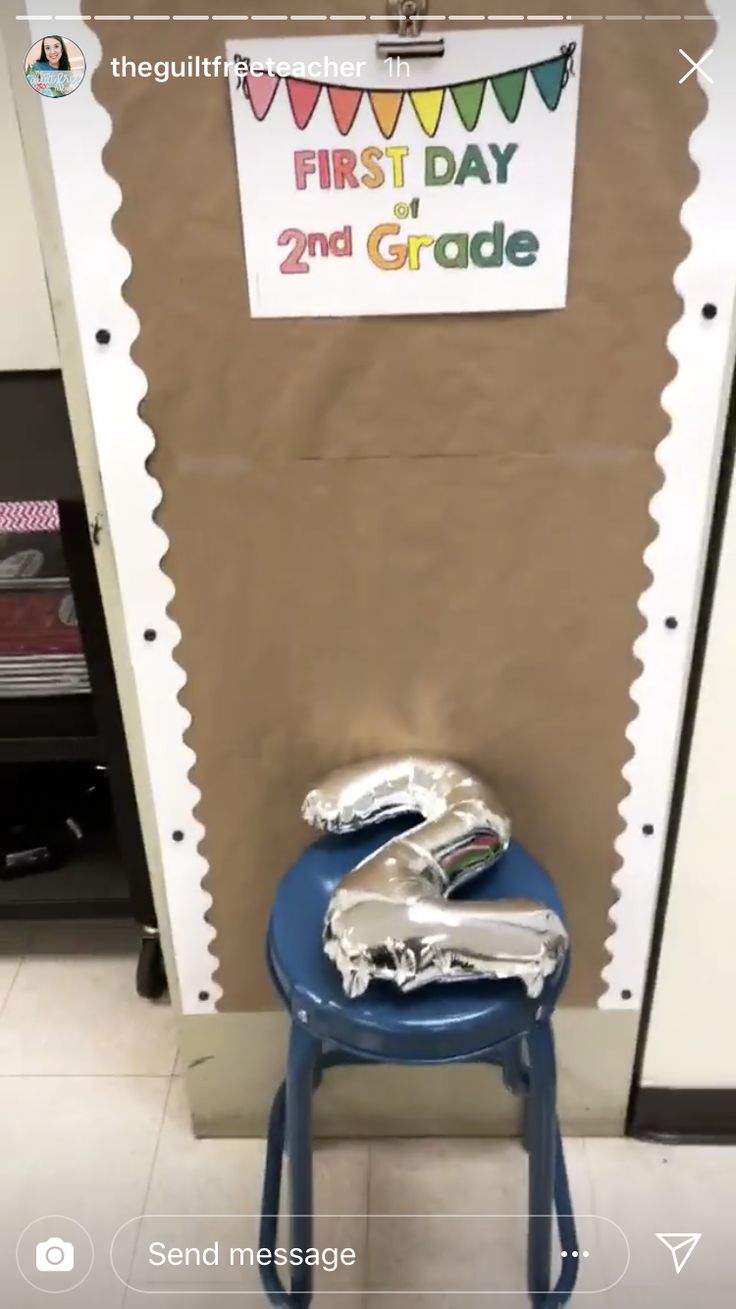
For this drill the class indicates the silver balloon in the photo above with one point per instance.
(390, 918)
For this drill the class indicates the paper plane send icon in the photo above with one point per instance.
(680, 1246)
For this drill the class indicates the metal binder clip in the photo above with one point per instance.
(409, 16)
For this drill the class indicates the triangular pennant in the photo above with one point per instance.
(303, 97)
(386, 106)
(549, 79)
(260, 91)
(509, 92)
(427, 106)
(469, 102)
(344, 103)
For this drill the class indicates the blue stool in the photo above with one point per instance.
(461, 1022)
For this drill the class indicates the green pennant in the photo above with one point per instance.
(549, 79)
(508, 89)
(469, 101)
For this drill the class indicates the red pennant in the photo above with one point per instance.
(260, 91)
(303, 97)
(344, 102)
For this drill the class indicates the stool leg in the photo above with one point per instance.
(565, 1226)
(271, 1196)
(516, 1079)
(541, 1138)
(514, 1071)
(304, 1052)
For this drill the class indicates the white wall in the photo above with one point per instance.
(27, 339)
(692, 1032)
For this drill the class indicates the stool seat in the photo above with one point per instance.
(440, 1021)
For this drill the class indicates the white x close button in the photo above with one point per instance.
(697, 66)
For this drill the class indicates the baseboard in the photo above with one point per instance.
(688, 1116)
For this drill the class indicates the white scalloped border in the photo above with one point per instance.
(697, 403)
(78, 129)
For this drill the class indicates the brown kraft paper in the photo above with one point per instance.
(394, 534)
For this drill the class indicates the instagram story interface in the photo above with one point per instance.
(391, 308)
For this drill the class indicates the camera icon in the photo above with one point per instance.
(55, 1256)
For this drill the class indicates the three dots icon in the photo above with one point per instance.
(575, 1254)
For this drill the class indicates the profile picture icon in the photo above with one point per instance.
(55, 66)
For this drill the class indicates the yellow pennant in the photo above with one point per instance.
(428, 107)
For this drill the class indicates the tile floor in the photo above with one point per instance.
(94, 1129)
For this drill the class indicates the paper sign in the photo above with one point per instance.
(374, 185)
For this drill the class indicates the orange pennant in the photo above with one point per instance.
(386, 106)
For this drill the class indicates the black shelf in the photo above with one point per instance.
(49, 729)
(37, 462)
(92, 884)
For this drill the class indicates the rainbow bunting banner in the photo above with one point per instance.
(549, 76)
(375, 186)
